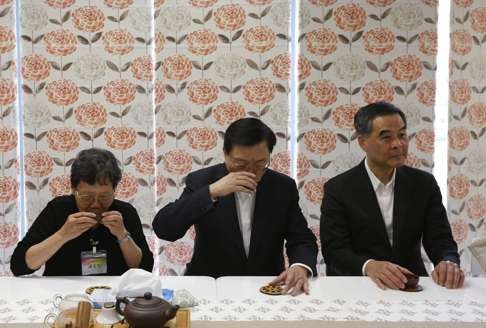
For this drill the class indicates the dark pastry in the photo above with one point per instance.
(412, 283)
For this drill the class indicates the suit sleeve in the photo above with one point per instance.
(43, 227)
(301, 243)
(335, 234)
(173, 220)
(136, 231)
(437, 239)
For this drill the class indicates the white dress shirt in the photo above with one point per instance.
(245, 206)
(385, 196)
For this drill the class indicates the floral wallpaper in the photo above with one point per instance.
(467, 124)
(9, 137)
(158, 81)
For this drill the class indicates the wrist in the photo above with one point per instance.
(124, 237)
(213, 193)
(60, 237)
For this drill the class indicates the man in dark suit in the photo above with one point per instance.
(375, 216)
(243, 212)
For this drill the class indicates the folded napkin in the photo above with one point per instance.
(184, 298)
(136, 282)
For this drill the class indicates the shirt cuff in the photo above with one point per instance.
(304, 266)
(364, 267)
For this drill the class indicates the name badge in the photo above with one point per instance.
(94, 263)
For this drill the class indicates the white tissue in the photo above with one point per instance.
(136, 282)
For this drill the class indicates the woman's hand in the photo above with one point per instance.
(113, 220)
(76, 224)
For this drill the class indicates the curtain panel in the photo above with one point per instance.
(157, 83)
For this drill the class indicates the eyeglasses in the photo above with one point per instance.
(241, 165)
(89, 198)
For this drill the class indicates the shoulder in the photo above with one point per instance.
(347, 177)
(210, 173)
(65, 202)
(415, 174)
(277, 177)
(122, 206)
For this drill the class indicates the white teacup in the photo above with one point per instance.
(64, 319)
(69, 301)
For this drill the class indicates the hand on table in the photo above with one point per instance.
(448, 274)
(387, 274)
(295, 280)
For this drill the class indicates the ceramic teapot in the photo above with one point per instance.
(147, 311)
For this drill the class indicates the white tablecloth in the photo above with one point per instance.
(24, 300)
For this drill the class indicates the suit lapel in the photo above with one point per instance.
(370, 203)
(402, 196)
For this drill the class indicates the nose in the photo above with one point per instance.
(397, 142)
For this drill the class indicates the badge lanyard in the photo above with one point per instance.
(93, 241)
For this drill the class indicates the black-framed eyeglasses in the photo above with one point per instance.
(241, 165)
(89, 198)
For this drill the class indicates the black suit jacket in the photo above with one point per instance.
(353, 230)
(218, 246)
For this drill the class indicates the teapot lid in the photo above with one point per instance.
(147, 301)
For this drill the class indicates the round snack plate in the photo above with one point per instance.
(418, 288)
(91, 289)
(271, 290)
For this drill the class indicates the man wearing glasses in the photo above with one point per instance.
(86, 233)
(243, 213)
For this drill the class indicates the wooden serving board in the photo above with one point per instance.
(182, 320)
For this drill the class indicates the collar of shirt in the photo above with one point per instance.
(376, 183)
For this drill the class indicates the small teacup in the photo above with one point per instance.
(69, 301)
(64, 319)
(108, 315)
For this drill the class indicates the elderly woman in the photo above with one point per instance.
(88, 232)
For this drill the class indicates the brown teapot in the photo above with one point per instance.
(147, 311)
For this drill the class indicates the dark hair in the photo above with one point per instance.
(248, 132)
(363, 120)
(95, 166)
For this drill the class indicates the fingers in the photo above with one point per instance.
(379, 283)
(457, 277)
(297, 288)
(391, 279)
(442, 272)
(405, 271)
(461, 279)
(83, 214)
(279, 280)
(306, 287)
(246, 182)
(387, 274)
(289, 282)
(435, 277)
(450, 272)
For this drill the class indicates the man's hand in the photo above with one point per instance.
(76, 224)
(234, 181)
(295, 280)
(113, 220)
(386, 274)
(448, 274)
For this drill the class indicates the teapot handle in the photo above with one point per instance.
(117, 305)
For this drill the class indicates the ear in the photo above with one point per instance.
(363, 142)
